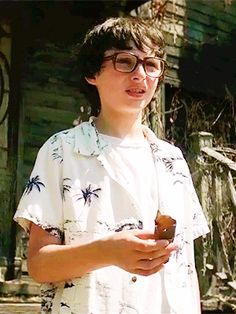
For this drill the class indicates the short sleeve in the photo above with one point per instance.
(41, 202)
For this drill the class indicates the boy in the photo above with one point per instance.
(94, 192)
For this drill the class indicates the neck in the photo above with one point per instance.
(120, 126)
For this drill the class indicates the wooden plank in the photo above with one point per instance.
(3, 158)
(177, 9)
(6, 194)
(173, 28)
(43, 72)
(224, 160)
(49, 99)
(173, 51)
(214, 8)
(232, 188)
(36, 135)
(179, 2)
(36, 113)
(172, 78)
(169, 40)
(145, 12)
(30, 154)
(65, 89)
(52, 53)
(193, 24)
(199, 17)
(4, 133)
(172, 72)
(4, 176)
(209, 28)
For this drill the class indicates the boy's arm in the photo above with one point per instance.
(135, 251)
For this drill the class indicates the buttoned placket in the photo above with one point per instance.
(103, 152)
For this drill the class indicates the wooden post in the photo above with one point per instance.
(6, 179)
(202, 178)
(200, 140)
(201, 171)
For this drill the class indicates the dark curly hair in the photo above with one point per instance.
(116, 33)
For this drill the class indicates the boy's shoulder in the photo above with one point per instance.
(71, 133)
(62, 135)
(82, 138)
(57, 140)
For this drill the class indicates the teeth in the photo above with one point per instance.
(136, 90)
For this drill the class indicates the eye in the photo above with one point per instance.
(153, 64)
(125, 60)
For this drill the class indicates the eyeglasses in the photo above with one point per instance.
(127, 62)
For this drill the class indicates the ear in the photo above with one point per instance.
(91, 80)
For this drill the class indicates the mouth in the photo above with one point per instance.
(135, 92)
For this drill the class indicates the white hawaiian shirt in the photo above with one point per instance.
(75, 194)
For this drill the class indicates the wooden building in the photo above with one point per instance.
(38, 79)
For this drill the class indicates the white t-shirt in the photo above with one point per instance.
(136, 161)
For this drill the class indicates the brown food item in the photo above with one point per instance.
(164, 227)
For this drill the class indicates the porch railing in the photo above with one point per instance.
(214, 175)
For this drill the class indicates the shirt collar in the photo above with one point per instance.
(89, 142)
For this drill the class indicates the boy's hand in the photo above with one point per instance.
(137, 252)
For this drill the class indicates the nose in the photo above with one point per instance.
(139, 73)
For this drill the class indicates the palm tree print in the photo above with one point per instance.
(57, 154)
(64, 305)
(169, 163)
(33, 183)
(87, 194)
(68, 285)
(65, 187)
(154, 148)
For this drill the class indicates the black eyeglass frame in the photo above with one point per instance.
(113, 57)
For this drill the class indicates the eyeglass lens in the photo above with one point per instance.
(125, 62)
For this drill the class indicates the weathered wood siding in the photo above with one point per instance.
(6, 175)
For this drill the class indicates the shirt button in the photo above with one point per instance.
(134, 279)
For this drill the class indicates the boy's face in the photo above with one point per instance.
(124, 92)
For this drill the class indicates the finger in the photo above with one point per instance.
(172, 247)
(149, 264)
(152, 254)
(145, 235)
(164, 252)
(149, 272)
(149, 246)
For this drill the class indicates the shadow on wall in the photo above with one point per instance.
(210, 68)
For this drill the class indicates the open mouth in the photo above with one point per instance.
(135, 91)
